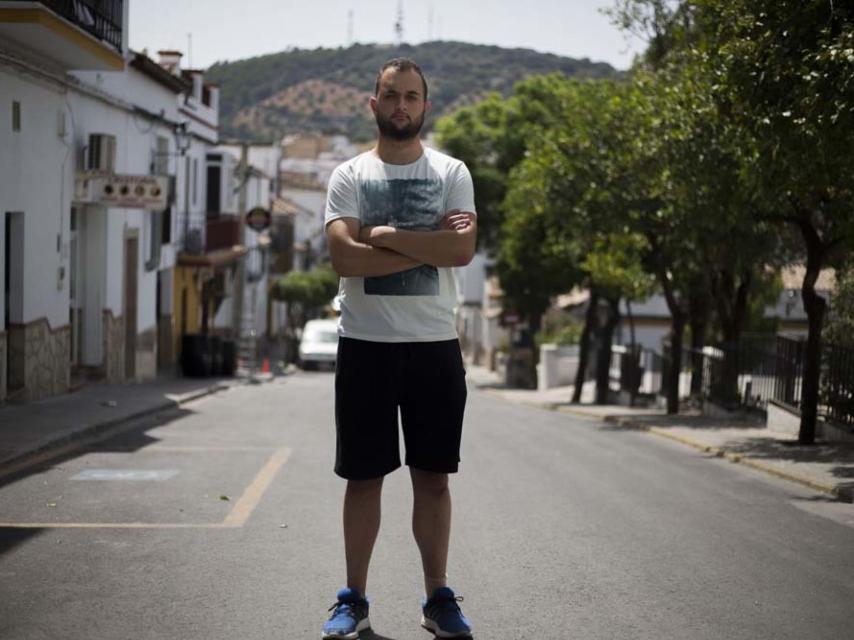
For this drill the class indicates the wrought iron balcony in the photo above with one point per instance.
(99, 18)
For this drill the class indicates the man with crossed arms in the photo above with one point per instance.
(398, 218)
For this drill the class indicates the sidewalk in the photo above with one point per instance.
(46, 426)
(824, 467)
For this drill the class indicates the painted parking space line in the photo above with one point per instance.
(125, 475)
(244, 507)
(235, 518)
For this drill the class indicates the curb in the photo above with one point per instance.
(842, 494)
(55, 446)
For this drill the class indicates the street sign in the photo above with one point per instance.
(258, 219)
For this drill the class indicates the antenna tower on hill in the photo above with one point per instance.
(350, 15)
(398, 26)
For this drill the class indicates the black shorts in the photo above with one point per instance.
(425, 380)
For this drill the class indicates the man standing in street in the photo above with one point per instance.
(398, 218)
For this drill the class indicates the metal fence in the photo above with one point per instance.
(749, 373)
(101, 18)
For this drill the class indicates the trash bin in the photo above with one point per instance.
(229, 357)
(215, 346)
(195, 355)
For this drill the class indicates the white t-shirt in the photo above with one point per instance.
(416, 305)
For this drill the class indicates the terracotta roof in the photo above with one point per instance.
(149, 67)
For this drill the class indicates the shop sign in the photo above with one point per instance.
(124, 191)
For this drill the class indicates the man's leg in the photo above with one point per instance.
(361, 525)
(431, 524)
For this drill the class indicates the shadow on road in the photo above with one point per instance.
(841, 455)
(124, 437)
(371, 635)
(11, 537)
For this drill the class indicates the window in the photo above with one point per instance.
(161, 156)
(16, 115)
(213, 187)
(166, 230)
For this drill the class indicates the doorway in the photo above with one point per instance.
(13, 298)
(75, 294)
(130, 304)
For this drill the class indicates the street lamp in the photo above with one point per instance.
(182, 137)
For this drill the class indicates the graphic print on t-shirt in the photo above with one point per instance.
(414, 205)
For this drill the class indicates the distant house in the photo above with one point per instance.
(479, 313)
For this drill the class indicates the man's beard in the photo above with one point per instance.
(389, 130)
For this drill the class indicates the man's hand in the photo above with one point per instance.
(379, 235)
(456, 219)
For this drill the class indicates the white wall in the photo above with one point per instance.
(471, 280)
(31, 181)
(313, 201)
(37, 173)
(135, 148)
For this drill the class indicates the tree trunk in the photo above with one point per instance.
(674, 364)
(631, 318)
(635, 355)
(677, 330)
(731, 302)
(603, 355)
(815, 307)
(535, 321)
(699, 318)
(584, 346)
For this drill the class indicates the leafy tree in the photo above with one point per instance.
(531, 268)
(787, 69)
(305, 292)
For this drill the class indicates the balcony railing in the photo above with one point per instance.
(100, 18)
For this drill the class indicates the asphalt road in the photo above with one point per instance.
(222, 521)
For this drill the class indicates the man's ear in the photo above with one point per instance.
(427, 106)
(373, 104)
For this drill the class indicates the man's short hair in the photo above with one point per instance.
(401, 64)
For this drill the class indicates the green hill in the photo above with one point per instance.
(326, 90)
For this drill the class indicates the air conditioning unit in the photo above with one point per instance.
(101, 153)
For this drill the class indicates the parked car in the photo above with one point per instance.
(319, 344)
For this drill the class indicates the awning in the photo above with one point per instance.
(217, 258)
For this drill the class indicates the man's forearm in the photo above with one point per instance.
(359, 259)
(443, 248)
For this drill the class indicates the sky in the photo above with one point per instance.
(229, 30)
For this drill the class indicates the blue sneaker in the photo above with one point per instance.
(441, 614)
(349, 616)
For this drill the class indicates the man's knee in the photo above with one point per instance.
(429, 483)
(364, 487)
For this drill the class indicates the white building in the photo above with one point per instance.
(101, 185)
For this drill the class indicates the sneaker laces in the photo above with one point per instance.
(450, 600)
(342, 607)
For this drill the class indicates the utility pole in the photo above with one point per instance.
(398, 25)
(240, 272)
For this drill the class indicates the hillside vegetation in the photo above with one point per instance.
(326, 90)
